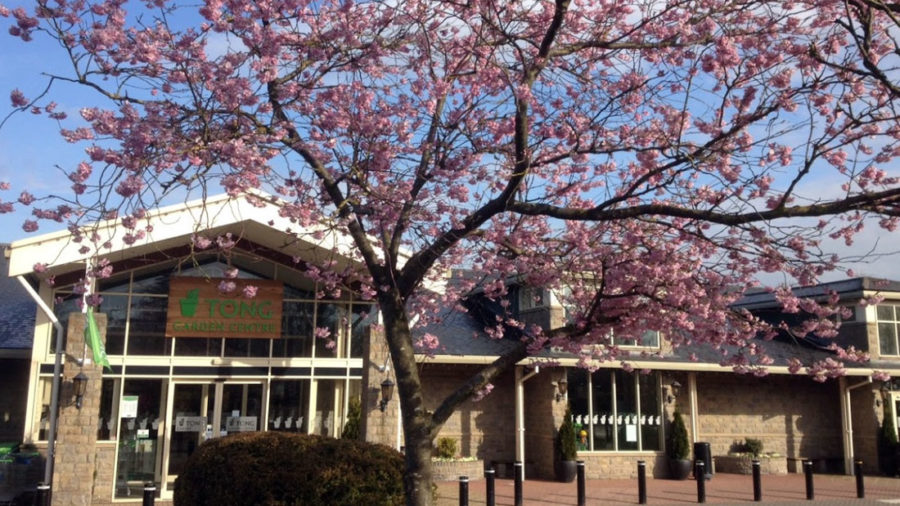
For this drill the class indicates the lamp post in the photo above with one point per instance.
(79, 384)
(387, 392)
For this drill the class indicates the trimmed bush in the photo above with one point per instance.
(354, 414)
(285, 469)
(446, 448)
(565, 438)
(679, 446)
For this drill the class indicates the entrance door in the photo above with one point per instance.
(201, 411)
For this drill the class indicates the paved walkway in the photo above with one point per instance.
(721, 489)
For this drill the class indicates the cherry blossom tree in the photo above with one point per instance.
(646, 160)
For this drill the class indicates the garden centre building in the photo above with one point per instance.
(191, 362)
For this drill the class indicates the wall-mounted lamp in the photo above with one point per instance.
(79, 385)
(562, 388)
(387, 391)
(672, 392)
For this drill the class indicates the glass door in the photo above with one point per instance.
(199, 411)
(192, 412)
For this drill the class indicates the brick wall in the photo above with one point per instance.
(543, 416)
(484, 429)
(377, 426)
(866, 424)
(792, 415)
(77, 432)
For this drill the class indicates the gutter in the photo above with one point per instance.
(57, 375)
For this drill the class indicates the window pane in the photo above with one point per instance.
(359, 328)
(64, 304)
(577, 388)
(147, 326)
(247, 347)
(626, 411)
(649, 338)
(885, 312)
(296, 330)
(650, 420)
(115, 308)
(605, 428)
(157, 284)
(109, 395)
(326, 397)
(198, 347)
(139, 438)
(43, 420)
(332, 317)
(288, 403)
(887, 338)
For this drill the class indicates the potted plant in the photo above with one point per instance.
(566, 453)
(678, 449)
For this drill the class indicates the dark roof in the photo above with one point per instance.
(16, 312)
(846, 288)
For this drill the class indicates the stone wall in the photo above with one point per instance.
(77, 431)
(614, 466)
(543, 416)
(378, 426)
(483, 429)
(792, 415)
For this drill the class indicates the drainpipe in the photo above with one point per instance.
(695, 414)
(847, 421)
(520, 413)
(57, 374)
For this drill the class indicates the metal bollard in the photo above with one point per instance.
(860, 486)
(489, 487)
(463, 491)
(519, 470)
(642, 482)
(149, 493)
(808, 471)
(700, 475)
(43, 495)
(757, 482)
(581, 496)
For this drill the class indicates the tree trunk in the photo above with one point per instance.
(418, 428)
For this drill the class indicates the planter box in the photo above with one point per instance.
(744, 465)
(451, 470)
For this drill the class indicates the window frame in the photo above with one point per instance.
(896, 325)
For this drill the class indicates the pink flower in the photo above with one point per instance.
(29, 226)
(249, 291)
(18, 98)
(227, 286)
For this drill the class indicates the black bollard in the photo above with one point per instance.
(489, 487)
(581, 496)
(860, 486)
(43, 495)
(642, 482)
(700, 475)
(463, 491)
(149, 493)
(808, 471)
(757, 482)
(519, 470)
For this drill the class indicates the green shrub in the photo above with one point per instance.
(446, 448)
(285, 469)
(565, 438)
(679, 446)
(753, 446)
(354, 414)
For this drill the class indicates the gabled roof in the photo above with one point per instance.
(253, 217)
(16, 315)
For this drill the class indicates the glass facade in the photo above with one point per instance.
(166, 395)
(615, 410)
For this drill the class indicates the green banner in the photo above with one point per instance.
(92, 337)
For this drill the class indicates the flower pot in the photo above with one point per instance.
(680, 469)
(565, 470)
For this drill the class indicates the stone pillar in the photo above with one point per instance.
(377, 426)
(76, 435)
